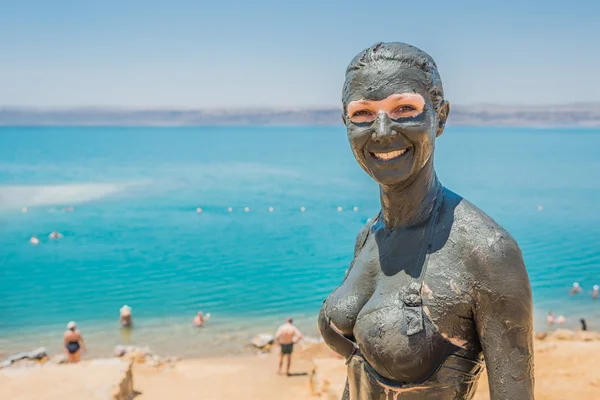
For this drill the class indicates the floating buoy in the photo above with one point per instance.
(246, 209)
(302, 209)
(198, 210)
(540, 208)
(270, 209)
(24, 209)
(340, 209)
(230, 209)
(355, 208)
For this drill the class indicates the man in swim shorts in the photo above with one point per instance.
(286, 336)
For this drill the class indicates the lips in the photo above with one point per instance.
(389, 155)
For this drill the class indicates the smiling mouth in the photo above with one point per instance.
(390, 155)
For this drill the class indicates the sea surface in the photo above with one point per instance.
(134, 236)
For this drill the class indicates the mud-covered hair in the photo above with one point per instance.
(406, 56)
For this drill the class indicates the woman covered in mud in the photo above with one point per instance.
(436, 290)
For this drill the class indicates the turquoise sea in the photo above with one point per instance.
(134, 236)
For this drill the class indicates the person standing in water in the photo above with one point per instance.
(125, 318)
(287, 335)
(550, 319)
(576, 288)
(73, 342)
(595, 291)
(200, 319)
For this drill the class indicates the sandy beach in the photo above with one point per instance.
(565, 368)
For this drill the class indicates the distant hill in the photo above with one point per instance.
(582, 115)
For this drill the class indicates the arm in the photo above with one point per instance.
(278, 335)
(503, 317)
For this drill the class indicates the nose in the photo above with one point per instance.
(383, 126)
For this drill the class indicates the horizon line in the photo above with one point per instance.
(264, 108)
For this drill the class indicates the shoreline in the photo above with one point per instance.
(247, 349)
(170, 338)
(222, 336)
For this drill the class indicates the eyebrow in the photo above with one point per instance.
(399, 96)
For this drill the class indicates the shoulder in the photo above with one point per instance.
(492, 254)
(366, 228)
(362, 235)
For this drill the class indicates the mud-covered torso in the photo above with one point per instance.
(374, 304)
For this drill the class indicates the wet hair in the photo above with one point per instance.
(405, 56)
(290, 320)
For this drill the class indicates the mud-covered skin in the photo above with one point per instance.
(475, 291)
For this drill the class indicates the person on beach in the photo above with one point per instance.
(583, 324)
(595, 291)
(287, 335)
(576, 288)
(125, 318)
(73, 342)
(200, 319)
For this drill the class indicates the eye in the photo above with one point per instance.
(360, 116)
(362, 113)
(405, 109)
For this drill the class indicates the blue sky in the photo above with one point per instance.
(183, 53)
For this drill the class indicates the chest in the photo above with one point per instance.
(386, 273)
(396, 269)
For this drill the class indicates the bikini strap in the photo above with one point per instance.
(412, 299)
(363, 235)
(361, 239)
(431, 232)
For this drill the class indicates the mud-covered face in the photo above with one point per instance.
(391, 121)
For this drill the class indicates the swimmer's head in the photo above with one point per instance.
(596, 288)
(576, 284)
(72, 326)
(290, 320)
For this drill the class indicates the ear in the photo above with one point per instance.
(443, 113)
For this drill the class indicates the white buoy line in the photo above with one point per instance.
(271, 209)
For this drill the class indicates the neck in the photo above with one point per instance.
(410, 203)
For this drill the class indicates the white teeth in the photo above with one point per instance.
(389, 155)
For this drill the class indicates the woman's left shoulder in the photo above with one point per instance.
(482, 239)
